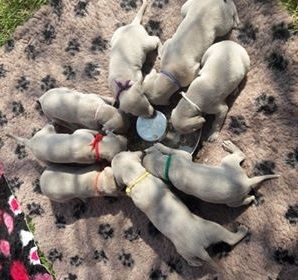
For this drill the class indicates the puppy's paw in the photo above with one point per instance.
(242, 230)
(228, 146)
(213, 136)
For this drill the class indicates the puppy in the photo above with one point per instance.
(190, 234)
(223, 184)
(130, 44)
(74, 110)
(62, 183)
(83, 146)
(224, 65)
(202, 22)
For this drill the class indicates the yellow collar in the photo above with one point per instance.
(136, 181)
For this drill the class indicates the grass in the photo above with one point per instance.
(14, 13)
(44, 261)
(292, 8)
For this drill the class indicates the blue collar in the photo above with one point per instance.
(172, 78)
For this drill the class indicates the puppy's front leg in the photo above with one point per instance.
(235, 158)
(220, 116)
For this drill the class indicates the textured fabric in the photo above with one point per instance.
(18, 252)
(66, 44)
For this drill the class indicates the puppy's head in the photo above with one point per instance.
(154, 161)
(126, 163)
(113, 144)
(186, 119)
(135, 102)
(227, 17)
(158, 88)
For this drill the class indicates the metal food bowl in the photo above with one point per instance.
(149, 131)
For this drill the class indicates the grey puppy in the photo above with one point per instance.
(190, 234)
(83, 146)
(202, 22)
(74, 109)
(62, 183)
(223, 184)
(130, 44)
(224, 65)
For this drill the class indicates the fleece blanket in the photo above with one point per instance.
(66, 43)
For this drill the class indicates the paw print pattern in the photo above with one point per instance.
(237, 124)
(175, 264)
(160, 3)
(36, 186)
(291, 159)
(276, 61)
(266, 104)
(73, 47)
(1, 143)
(2, 71)
(47, 83)
(3, 119)
(17, 108)
(131, 234)
(157, 274)
(54, 255)
(91, 70)
(69, 72)
(15, 183)
(152, 230)
(22, 84)
(49, 33)
(57, 6)
(70, 276)
(282, 256)
(99, 44)
(81, 8)
(100, 256)
(60, 221)
(128, 5)
(292, 214)
(264, 167)
(126, 259)
(280, 31)
(76, 261)
(31, 52)
(35, 209)
(247, 33)
(106, 231)
(79, 209)
(153, 28)
(9, 46)
(38, 108)
(20, 151)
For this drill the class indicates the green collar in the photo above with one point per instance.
(167, 167)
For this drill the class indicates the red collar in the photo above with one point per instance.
(95, 145)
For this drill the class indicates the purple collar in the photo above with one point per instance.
(172, 78)
(122, 86)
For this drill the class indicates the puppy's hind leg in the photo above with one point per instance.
(217, 233)
(220, 116)
(235, 158)
(138, 19)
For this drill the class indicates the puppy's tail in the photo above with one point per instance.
(258, 179)
(138, 19)
(19, 140)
